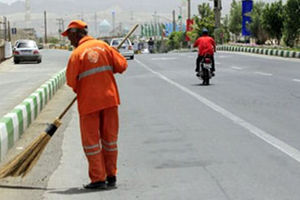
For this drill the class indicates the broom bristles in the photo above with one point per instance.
(21, 164)
(38, 155)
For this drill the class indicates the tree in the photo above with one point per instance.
(291, 22)
(235, 19)
(225, 25)
(272, 20)
(222, 34)
(53, 40)
(206, 19)
(176, 40)
(256, 28)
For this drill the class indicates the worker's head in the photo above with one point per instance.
(76, 30)
(204, 31)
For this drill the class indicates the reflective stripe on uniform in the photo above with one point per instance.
(91, 147)
(93, 153)
(109, 146)
(94, 71)
(109, 143)
(108, 149)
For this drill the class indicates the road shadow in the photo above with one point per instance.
(200, 84)
(63, 191)
(79, 190)
(20, 187)
(26, 62)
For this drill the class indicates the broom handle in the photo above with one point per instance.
(122, 42)
(66, 110)
(127, 36)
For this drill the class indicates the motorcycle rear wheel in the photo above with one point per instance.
(205, 77)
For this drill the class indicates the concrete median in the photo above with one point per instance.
(14, 123)
(264, 51)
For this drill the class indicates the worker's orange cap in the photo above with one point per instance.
(75, 24)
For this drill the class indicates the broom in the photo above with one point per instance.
(26, 160)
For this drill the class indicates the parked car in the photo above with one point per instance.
(126, 49)
(26, 50)
(15, 45)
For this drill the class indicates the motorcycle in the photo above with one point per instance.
(205, 70)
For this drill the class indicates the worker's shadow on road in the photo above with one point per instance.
(63, 191)
(201, 84)
(19, 187)
(78, 190)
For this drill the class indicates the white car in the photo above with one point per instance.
(126, 49)
(26, 50)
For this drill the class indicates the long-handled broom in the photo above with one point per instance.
(26, 160)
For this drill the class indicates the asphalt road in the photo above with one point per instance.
(236, 139)
(17, 81)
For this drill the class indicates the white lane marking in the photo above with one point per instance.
(164, 58)
(237, 68)
(296, 80)
(278, 144)
(217, 63)
(263, 73)
(222, 56)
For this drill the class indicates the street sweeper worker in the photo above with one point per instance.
(90, 73)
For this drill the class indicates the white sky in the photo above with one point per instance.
(225, 3)
(8, 1)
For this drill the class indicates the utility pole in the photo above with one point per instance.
(174, 21)
(5, 28)
(96, 25)
(27, 13)
(189, 9)
(180, 18)
(60, 26)
(113, 22)
(45, 27)
(9, 32)
(155, 24)
(131, 16)
(217, 10)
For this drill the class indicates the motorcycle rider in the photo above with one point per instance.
(206, 47)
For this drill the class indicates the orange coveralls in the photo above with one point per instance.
(90, 73)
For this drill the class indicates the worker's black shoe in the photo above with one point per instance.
(111, 181)
(100, 185)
